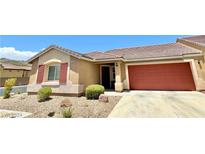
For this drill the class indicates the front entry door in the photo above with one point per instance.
(106, 77)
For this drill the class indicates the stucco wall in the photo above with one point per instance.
(200, 68)
(33, 72)
(123, 75)
(89, 73)
(53, 54)
(74, 70)
(84, 72)
(19, 81)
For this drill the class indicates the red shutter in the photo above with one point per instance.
(40, 73)
(63, 73)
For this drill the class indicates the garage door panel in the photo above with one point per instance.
(161, 77)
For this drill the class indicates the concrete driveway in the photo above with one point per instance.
(160, 104)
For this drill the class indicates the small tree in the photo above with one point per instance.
(8, 85)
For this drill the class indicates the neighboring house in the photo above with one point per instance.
(8, 70)
(174, 66)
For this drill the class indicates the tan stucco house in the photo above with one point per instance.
(9, 70)
(174, 66)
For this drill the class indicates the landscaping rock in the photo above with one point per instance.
(103, 98)
(51, 114)
(66, 103)
(22, 97)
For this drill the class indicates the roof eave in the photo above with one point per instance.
(17, 69)
(165, 58)
(109, 59)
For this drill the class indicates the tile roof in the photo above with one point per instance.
(200, 39)
(155, 51)
(73, 53)
(15, 67)
(102, 55)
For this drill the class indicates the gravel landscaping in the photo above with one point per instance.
(81, 107)
(13, 114)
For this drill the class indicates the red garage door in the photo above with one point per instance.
(161, 77)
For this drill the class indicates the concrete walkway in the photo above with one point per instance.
(160, 104)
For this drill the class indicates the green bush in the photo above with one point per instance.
(6, 93)
(94, 91)
(44, 93)
(67, 113)
(9, 83)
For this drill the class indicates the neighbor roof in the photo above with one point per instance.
(200, 39)
(154, 51)
(14, 67)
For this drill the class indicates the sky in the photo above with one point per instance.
(23, 47)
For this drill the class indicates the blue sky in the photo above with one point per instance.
(22, 47)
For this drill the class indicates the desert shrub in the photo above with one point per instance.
(9, 83)
(6, 93)
(67, 113)
(94, 91)
(44, 93)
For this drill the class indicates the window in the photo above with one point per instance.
(53, 72)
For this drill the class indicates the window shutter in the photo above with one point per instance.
(40, 73)
(63, 73)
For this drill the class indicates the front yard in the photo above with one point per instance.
(81, 107)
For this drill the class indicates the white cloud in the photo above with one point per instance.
(12, 53)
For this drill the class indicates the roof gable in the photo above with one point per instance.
(61, 49)
(199, 39)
